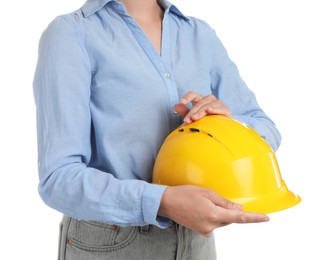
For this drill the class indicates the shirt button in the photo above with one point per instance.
(167, 75)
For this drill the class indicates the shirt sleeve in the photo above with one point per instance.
(62, 92)
(228, 86)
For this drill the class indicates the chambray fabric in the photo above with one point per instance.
(104, 100)
(90, 240)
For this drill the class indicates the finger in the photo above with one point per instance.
(235, 216)
(223, 110)
(224, 224)
(207, 107)
(223, 202)
(202, 101)
(190, 97)
(210, 108)
(181, 109)
(199, 108)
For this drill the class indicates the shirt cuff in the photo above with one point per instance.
(151, 199)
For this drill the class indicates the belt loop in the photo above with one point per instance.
(144, 229)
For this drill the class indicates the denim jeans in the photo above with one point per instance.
(89, 240)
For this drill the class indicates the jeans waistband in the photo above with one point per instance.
(142, 229)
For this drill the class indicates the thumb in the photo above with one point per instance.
(224, 203)
(181, 109)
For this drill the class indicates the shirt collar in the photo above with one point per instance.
(92, 6)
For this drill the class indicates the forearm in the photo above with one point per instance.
(89, 194)
(229, 87)
(264, 127)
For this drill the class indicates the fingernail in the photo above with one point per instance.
(187, 120)
(195, 117)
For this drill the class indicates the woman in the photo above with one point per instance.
(113, 79)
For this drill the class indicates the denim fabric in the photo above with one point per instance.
(91, 240)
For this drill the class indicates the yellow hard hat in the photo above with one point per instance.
(228, 157)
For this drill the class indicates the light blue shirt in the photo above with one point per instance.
(105, 98)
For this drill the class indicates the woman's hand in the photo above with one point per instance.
(201, 106)
(203, 210)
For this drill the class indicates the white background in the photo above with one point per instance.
(284, 51)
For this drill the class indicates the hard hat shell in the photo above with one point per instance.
(228, 157)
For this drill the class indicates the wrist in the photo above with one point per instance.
(163, 209)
